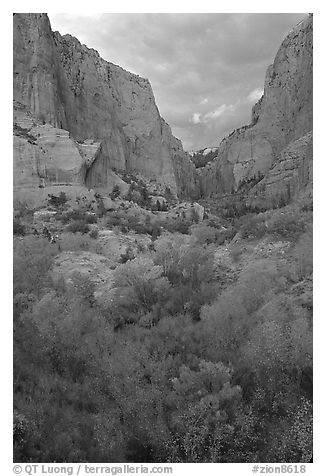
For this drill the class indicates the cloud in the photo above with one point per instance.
(196, 118)
(219, 112)
(161, 67)
(193, 61)
(255, 95)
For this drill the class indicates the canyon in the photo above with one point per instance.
(79, 120)
(162, 310)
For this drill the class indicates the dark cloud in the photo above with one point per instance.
(206, 69)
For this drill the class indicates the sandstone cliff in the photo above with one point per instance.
(282, 115)
(70, 87)
(291, 176)
(90, 117)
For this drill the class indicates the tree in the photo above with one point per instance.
(140, 288)
(33, 258)
(115, 192)
(204, 402)
(204, 234)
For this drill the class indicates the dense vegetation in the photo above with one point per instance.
(194, 359)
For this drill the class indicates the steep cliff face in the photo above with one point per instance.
(71, 87)
(46, 157)
(282, 115)
(290, 176)
(109, 119)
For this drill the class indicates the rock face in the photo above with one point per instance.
(281, 116)
(47, 159)
(72, 266)
(70, 87)
(290, 176)
(84, 117)
(92, 265)
(44, 156)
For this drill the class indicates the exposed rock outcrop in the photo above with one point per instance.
(44, 156)
(290, 176)
(189, 211)
(92, 265)
(69, 86)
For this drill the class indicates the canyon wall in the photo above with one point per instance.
(69, 86)
(90, 117)
(281, 116)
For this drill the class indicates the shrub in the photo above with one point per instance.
(140, 247)
(84, 287)
(32, 260)
(115, 192)
(194, 215)
(78, 226)
(90, 219)
(214, 222)
(143, 281)
(113, 220)
(168, 195)
(288, 224)
(77, 242)
(160, 207)
(59, 201)
(204, 234)
(229, 319)
(127, 256)
(155, 231)
(70, 215)
(101, 210)
(140, 228)
(94, 233)
(23, 210)
(303, 254)
(307, 206)
(252, 226)
(225, 235)
(19, 228)
(235, 253)
(138, 193)
(76, 215)
(182, 263)
(178, 226)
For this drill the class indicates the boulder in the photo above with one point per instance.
(91, 265)
(109, 204)
(189, 211)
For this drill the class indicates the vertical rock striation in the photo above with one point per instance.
(108, 116)
(71, 87)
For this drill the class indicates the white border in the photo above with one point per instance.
(60, 6)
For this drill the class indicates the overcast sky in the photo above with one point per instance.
(206, 70)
